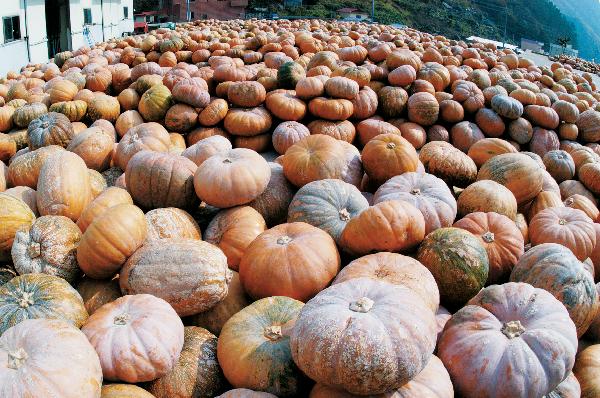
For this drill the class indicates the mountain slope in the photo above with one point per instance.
(586, 15)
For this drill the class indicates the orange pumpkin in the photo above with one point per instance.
(388, 155)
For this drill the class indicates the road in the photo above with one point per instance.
(541, 60)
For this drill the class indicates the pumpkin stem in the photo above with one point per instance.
(283, 240)
(34, 250)
(25, 300)
(344, 215)
(226, 160)
(512, 329)
(562, 221)
(16, 358)
(569, 202)
(363, 304)
(121, 319)
(415, 191)
(488, 237)
(273, 332)
(391, 145)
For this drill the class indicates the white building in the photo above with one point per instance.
(34, 30)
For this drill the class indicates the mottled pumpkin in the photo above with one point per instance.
(26, 113)
(171, 222)
(458, 262)
(448, 163)
(73, 110)
(96, 293)
(36, 296)
(104, 107)
(49, 129)
(507, 107)
(155, 103)
(124, 390)
(254, 348)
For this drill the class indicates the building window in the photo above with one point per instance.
(125, 12)
(203, 16)
(87, 16)
(12, 28)
(192, 15)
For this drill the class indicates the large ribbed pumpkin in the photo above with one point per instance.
(254, 349)
(171, 222)
(14, 215)
(554, 268)
(426, 192)
(48, 356)
(388, 155)
(110, 197)
(308, 261)
(24, 170)
(155, 103)
(95, 147)
(338, 337)
(63, 187)
(458, 262)
(189, 274)
(49, 129)
(511, 340)
(114, 331)
(587, 370)
(150, 136)
(501, 239)
(110, 239)
(327, 204)
(517, 172)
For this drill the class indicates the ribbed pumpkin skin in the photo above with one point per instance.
(388, 155)
(502, 240)
(245, 393)
(339, 336)
(487, 196)
(110, 197)
(95, 147)
(432, 382)
(48, 246)
(555, 269)
(49, 129)
(155, 103)
(14, 215)
(517, 172)
(569, 227)
(96, 293)
(396, 269)
(161, 180)
(171, 222)
(289, 74)
(112, 330)
(110, 239)
(426, 192)
(448, 163)
(254, 349)
(205, 148)
(73, 110)
(480, 357)
(587, 370)
(327, 204)
(67, 368)
(124, 391)
(63, 187)
(393, 225)
(34, 296)
(568, 388)
(232, 230)
(150, 136)
(26, 113)
(273, 203)
(25, 169)
(309, 260)
(485, 149)
(196, 274)
(197, 372)
(507, 107)
(458, 262)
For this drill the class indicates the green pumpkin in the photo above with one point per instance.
(155, 103)
(254, 347)
(327, 204)
(7, 272)
(458, 262)
(34, 296)
(26, 113)
(507, 107)
(289, 74)
(60, 58)
(173, 44)
(74, 110)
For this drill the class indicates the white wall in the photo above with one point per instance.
(36, 26)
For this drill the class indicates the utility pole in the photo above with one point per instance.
(188, 14)
(373, 11)
(505, 21)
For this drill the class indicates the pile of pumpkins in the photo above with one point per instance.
(298, 209)
(577, 63)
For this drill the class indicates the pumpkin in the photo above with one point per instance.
(273, 203)
(120, 390)
(586, 371)
(349, 344)
(587, 124)
(157, 179)
(69, 367)
(469, 95)
(287, 134)
(560, 165)
(520, 130)
(388, 155)
(246, 94)
(584, 204)
(569, 227)
(128, 99)
(171, 222)
(423, 109)
(485, 149)
(566, 111)
(94, 146)
(502, 240)
(205, 148)
(191, 94)
(104, 107)
(451, 111)
(426, 192)
(144, 273)
(240, 173)
(26, 113)
(110, 239)
(497, 335)
(507, 107)
(589, 175)
(110, 197)
(96, 293)
(392, 225)
(24, 170)
(254, 347)
(155, 103)
(25, 194)
(554, 268)
(245, 393)
(247, 122)
(289, 74)
(311, 268)
(544, 200)
(150, 136)
(63, 187)
(517, 172)
(111, 330)
(37, 296)
(213, 113)
(49, 247)
(14, 215)
(448, 163)
(464, 135)
(49, 129)
(73, 110)
(180, 118)
(396, 269)
(458, 262)
(569, 387)
(6, 118)
(393, 101)
(371, 128)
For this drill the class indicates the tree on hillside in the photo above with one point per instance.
(563, 42)
(145, 5)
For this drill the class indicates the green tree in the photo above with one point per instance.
(145, 5)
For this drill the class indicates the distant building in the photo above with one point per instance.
(556, 49)
(499, 44)
(292, 3)
(532, 45)
(33, 31)
(207, 9)
(352, 14)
